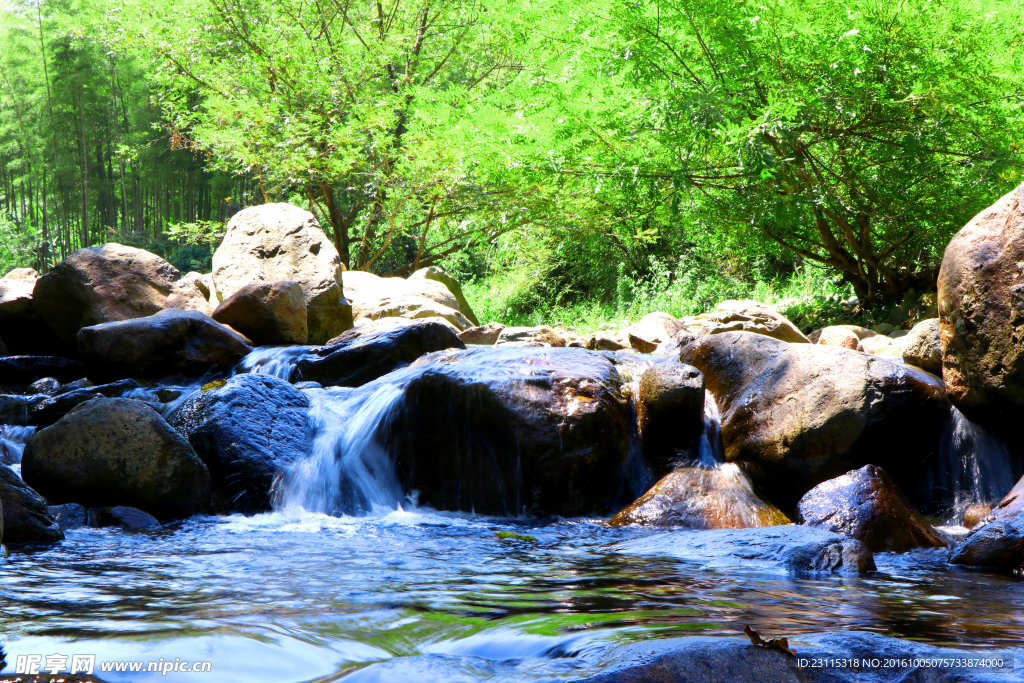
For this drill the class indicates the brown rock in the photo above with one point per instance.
(975, 513)
(190, 293)
(981, 315)
(271, 313)
(721, 498)
(439, 275)
(653, 329)
(838, 336)
(543, 334)
(745, 316)
(602, 342)
(102, 284)
(796, 415)
(670, 412)
(277, 242)
(411, 307)
(921, 346)
(172, 341)
(116, 451)
(867, 505)
(485, 335)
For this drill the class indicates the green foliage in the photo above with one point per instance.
(16, 249)
(513, 536)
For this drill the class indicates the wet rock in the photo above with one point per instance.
(724, 659)
(485, 335)
(508, 431)
(981, 315)
(995, 544)
(795, 415)
(867, 505)
(172, 341)
(25, 517)
(246, 432)
(745, 316)
(922, 347)
(791, 548)
(1012, 502)
(45, 413)
(272, 313)
(367, 327)
(543, 334)
(720, 498)
(652, 330)
(363, 359)
(116, 451)
(23, 370)
(974, 514)
(102, 284)
(438, 274)
(69, 516)
(127, 518)
(4, 351)
(670, 412)
(48, 386)
(838, 336)
(278, 242)
(24, 332)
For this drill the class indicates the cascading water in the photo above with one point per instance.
(12, 444)
(972, 467)
(278, 361)
(711, 453)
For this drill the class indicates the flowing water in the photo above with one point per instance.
(348, 579)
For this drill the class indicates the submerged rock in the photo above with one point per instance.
(276, 242)
(246, 432)
(156, 346)
(670, 412)
(25, 516)
(795, 415)
(116, 451)
(867, 505)
(69, 516)
(514, 430)
(720, 498)
(127, 518)
(365, 358)
(267, 312)
(981, 315)
(790, 547)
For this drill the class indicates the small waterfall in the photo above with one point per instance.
(348, 471)
(710, 452)
(279, 361)
(972, 466)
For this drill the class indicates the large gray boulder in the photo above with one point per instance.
(921, 347)
(247, 431)
(276, 242)
(102, 284)
(272, 313)
(795, 415)
(116, 451)
(25, 518)
(170, 342)
(981, 315)
(867, 505)
(788, 548)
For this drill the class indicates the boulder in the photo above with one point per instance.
(601, 341)
(670, 412)
(439, 275)
(412, 307)
(838, 336)
(795, 415)
(127, 518)
(973, 514)
(861, 332)
(278, 242)
(22, 274)
(697, 498)
(996, 544)
(513, 431)
(981, 315)
(485, 335)
(69, 516)
(1012, 502)
(271, 313)
(45, 413)
(247, 432)
(543, 334)
(170, 342)
(363, 359)
(190, 293)
(366, 326)
(922, 348)
(24, 370)
(366, 288)
(652, 330)
(789, 547)
(96, 285)
(745, 316)
(25, 517)
(867, 505)
(116, 451)
(874, 345)
(882, 329)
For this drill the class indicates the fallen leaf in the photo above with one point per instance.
(771, 644)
